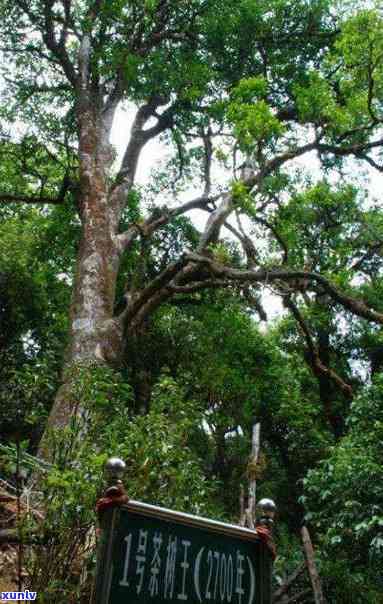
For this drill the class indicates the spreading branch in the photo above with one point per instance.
(316, 362)
(263, 275)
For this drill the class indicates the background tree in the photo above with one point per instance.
(352, 532)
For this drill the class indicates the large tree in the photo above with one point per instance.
(254, 85)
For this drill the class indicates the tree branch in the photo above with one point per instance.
(138, 139)
(358, 149)
(289, 581)
(277, 236)
(370, 161)
(208, 148)
(154, 286)
(58, 49)
(263, 275)
(7, 198)
(195, 286)
(316, 362)
(155, 221)
(216, 219)
(246, 243)
(373, 249)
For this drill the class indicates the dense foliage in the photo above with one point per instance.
(344, 496)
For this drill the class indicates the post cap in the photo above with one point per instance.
(267, 508)
(115, 468)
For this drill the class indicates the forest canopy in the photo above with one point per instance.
(135, 316)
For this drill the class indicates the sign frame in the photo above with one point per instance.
(109, 522)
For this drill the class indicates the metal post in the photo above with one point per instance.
(108, 519)
(266, 510)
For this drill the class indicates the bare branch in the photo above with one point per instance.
(245, 241)
(220, 215)
(357, 149)
(278, 161)
(139, 137)
(215, 221)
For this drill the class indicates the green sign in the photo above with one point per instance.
(150, 554)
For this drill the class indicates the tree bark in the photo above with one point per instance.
(95, 335)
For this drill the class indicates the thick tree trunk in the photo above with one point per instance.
(95, 335)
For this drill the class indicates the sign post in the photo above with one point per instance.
(151, 554)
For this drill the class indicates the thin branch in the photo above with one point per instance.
(370, 161)
(355, 149)
(208, 147)
(299, 597)
(219, 216)
(279, 160)
(7, 198)
(316, 362)
(277, 236)
(289, 581)
(57, 48)
(373, 249)
(154, 222)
